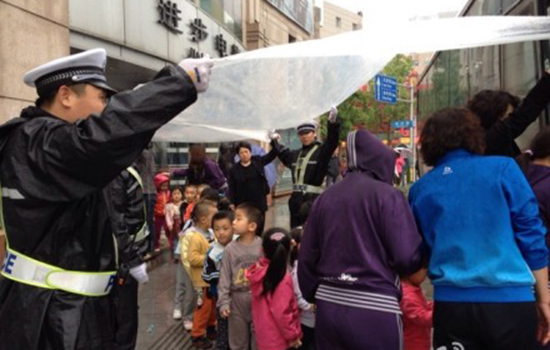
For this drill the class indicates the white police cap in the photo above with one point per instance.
(87, 67)
(308, 126)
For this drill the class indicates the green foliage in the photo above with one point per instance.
(361, 109)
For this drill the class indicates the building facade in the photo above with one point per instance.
(331, 19)
(140, 37)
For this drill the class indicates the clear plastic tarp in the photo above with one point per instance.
(281, 86)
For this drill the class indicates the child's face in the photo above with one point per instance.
(223, 231)
(241, 224)
(190, 194)
(176, 196)
(164, 186)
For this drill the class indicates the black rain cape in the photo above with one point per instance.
(60, 169)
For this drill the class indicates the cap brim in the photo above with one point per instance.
(101, 85)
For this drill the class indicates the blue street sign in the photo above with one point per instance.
(398, 124)
(385, 89)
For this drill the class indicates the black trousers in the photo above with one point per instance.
(308, 341)
(485, 326)
(299, 205)
(125, 299)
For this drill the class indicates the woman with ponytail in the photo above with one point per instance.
(274, 309)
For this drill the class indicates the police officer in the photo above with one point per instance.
(55, 160)
(128, 219)
(309, 165)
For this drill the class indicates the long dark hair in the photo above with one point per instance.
(539, 149)
(276, 246)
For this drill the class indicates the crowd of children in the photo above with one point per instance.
(235, 286)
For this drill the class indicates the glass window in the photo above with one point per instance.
(485, 7)
(483, 69)
(226, 12)
(445, 84)
(519, 76)
(508, 4)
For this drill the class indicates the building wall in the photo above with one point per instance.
(130, 31)
(267, 26)
(45, 37)
(348, 21)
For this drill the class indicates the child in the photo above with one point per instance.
(233, 288)
(223, 231)
(274, 309)
(163, 197)
(417, 313)
(172, 216)
(194, 246)
(307, 310)
(191, 197)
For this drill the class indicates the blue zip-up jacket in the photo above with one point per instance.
(480, 221)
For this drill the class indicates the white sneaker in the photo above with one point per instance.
(188, 325)
(177, 314)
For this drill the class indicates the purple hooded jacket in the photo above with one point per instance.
(360, 234)
(539, 179)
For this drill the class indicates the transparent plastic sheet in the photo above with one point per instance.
(280, 87)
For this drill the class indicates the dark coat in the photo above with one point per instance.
(255, 189)
(61, 218)
(316, 171)
(499, 138)
(127, 213)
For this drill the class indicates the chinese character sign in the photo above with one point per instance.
(198, 30)
(169, 17)
(221, 45)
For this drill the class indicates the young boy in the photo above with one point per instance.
(190, 195)
(223, 231)
(194, 246)
(417, 313)
(234, 289)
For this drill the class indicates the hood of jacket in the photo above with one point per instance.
(255, 275)
(160, 179)
(369, 155)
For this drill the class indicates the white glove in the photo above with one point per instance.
(199, 71)
(140, 273)
(273, 135)
(332, 115)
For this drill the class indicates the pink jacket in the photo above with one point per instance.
(276, 316)
(417, 318)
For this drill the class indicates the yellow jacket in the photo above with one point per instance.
(195, 254)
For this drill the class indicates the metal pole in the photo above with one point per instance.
(413, 135)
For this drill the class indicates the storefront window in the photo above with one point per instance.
(226, 12)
